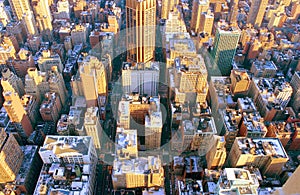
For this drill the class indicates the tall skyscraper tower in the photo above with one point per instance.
(43, 17)
(225, 45)
(19, 7)
(140, 31)
(257, 12)
(199, 6)
(11, 157)
(166, 7)
(17, 113)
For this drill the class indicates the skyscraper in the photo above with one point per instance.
(257, 12)
(199, 6)
(11, 157)
(166, 7)
(43, 17)
(19, 7)
(16, 112)
(140, 31)
(225, 45)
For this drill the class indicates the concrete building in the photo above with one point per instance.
(93, 79)
(199, 6)
(295, 83)
(271, 96)
(11, 157)
(265, 153)
(237, 181)
(93, 127)
(17, 113)
(79, 34)
(44, 18)
(225, 44)
(206, 22)
(252, 126)
(5, 15)
(63, 10)
(36, 83)
(166, 7)
(29, 22)
(257, 12)
(240, 82)
(7, 50)
(24, 60)
(143, 78)
(19, 8)
(153, 125)
(246, 105)
(11, 82)
(79, 156)
(47, 60)
(217, 154)
(31, 107)
(232, 120)
(51, 107)
(266, 69)
(140, 28)
(131, 171)
(188, 80)
(57, 84)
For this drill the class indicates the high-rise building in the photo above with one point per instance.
(295, 83)
(153, 125)
(67, 155)
(19, 7)
(166, 7)
(51, 107)
(5, 15)
(225, 44)
(57, 84)
(265, 153)
(93, 78)
(140, 31)
(199, 6)
(10, 80)
(16, 112)
(43, 17)
(257, 12)
(291, 186)
(240, 82)
(29, 23)
(93, 127)
(143, 78)
(23, 62)
(123, 114)
(79, 34)
(11, 157)
(206, 22)
(217, 154)
(47, 60)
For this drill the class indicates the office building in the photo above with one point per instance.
(17, 113)
(79, 158)
(291, 185)
(131, 171)
(225, 44)
(63, 10)
(5, 15)
(7, 50)
(199, 6)
(11, 82)
(93, 127)
(153, 125)
(57, 84)
(237, 181)
(36, 83)
(31, 107)
(19, 8)
(11, 157)
(143, 78)
(206, 22)
(257, 12)
(29, 23)
(166, 7)
(266, 69)
(140, 30)
(216, 156)
(265, 153)
(50, 107)
(240, 82)
(93, 79)
(295, 83)
(188, 80)
(43, 17)
(47, 60)
(79, 34)
(252, 126)
(24, 60)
